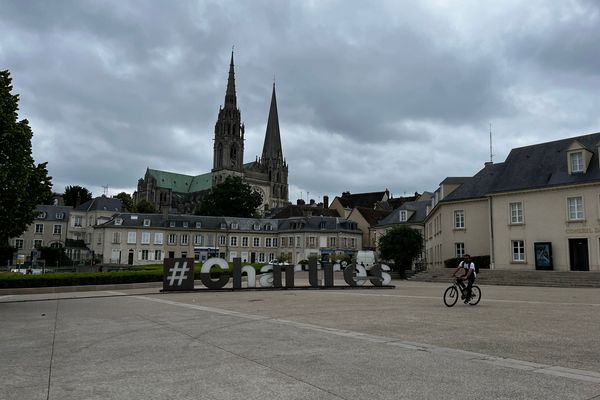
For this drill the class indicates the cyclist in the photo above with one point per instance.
(469, 274)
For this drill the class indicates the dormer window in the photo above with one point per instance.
(268, 227)
(256, 227)
(198, 225)
(576, 161)
(60, 215)
(146, 222)
(185, 224)
(234, 226)
(223, 225)
(322, 225)
(171, 224)
(118, 221)
(41, 215)
(403, 216)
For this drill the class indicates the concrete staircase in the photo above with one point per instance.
(518, 278)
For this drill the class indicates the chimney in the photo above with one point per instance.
(487, 163)
(326, 201)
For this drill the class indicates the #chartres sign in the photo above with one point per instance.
(178, 273)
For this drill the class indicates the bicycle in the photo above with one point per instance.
(451, 294)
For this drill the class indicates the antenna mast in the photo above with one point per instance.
(105, 190)
(491, 154)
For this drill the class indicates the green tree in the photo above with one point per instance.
(401, 244)
(231, 198)
(144, 206)
(75, 196)
(23, 184)
(54, 256)
(126, 200)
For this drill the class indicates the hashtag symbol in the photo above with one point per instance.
(178, 273)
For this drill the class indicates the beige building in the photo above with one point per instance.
(540, 209)
(137, 239)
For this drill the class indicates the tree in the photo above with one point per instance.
(231, 198)
(23, 184)
(145, 207)
(401, 244)
(75, 196)
(126, 200)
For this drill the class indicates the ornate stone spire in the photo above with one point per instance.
(272, 146)
(230, 98)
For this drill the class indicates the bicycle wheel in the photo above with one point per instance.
(475, 295)
(450, 296)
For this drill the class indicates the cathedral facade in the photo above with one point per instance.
(268, 174)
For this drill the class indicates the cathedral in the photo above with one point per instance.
(268, 175)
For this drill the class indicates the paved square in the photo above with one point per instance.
(518, 343)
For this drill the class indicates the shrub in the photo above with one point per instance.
(482, 261)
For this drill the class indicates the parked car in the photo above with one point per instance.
(21, 269)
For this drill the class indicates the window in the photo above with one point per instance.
(244, 241)
(99, 238)
(19, 243)
(518, 250)
(268, 227)
(256, 242)
(459, 250)
(198, 225)
(78, 221)
(575, 208)
(284, 242)
(60, 215)
(144, 254)
(57, 229)
(172, 224)
(233, 241)
(576, 162)
(271, 256)
(184, 254)
(118, 221)
(322, 225)
(37, 243)
(256, 227)
(145, 237)
(234, 226)
(158, 238)
(275, 242)
(261, 257)
(268, 242)
(185, 224)
(223, 225)
(222, 240)
(332, 241)
(41, 215)
(516, 213)
(116, 237)
(459, 219)
(297, 241)
(131, 237)
(184, 238)
(158, 255)
(39, 228)
(172, 238)
(403, 216)
(146, 222)
(198, 240)
(352, 243)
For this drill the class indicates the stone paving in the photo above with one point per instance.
(518, 343)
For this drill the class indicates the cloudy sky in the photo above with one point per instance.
(371, 95)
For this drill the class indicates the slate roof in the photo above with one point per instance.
(303, 210)
(372, 216)
(52, 210)
(419, 209)
(361, 199)
(531, 167)
(182, 183)
(101, 203)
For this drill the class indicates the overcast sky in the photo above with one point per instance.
(371, 95)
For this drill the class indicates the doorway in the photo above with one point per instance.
(578, 255)
(130, 259)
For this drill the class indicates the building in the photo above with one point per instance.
(345, 203)
(49, 229)
(268, 174)
(539, 209)
(136, 239)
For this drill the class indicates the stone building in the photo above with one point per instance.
(268, 174)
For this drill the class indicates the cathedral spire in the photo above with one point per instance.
(230, 98)
(272, 146)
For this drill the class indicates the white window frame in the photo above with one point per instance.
(172, 239)
(145, 238)
(233, 240)
(36, 245)
(576, 162)
(39, 228)
(131, 237)
(268, 242)
(245, 241)
(198, 225)
(158, 255)
(516, 212)
(116, 237)
(19, 243)
(459, 219)
(171, 224)
(222, 240)
(146, 222)
(60, 215)
(403, 215)
(256, 242)
(517, 250)
(459, 250)
(118, 221)
(576, 213)
(158, 238)
(185, 239)
(57, 229)
(198, 240)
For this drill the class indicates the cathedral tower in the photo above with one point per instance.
(228, 158)
(272, 161)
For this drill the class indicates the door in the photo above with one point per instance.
(130, 259)
(578, 255)
(252, 257)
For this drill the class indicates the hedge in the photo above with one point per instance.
(481, 261)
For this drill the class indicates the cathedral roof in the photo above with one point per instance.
(181, 183)
(272, 145)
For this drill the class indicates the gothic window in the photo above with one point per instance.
(219, 155)
(233, 155)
